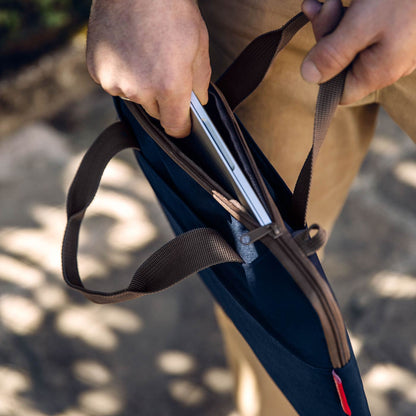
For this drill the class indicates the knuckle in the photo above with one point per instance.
(128, 91)
(168, 87)
(111, 88)
(173, 85)
(136, 91)
(330, 58)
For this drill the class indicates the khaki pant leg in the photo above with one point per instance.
(279, 115)
(399, 100)
(255, 392)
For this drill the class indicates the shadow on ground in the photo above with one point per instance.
(162, 355)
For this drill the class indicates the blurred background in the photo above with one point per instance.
(161, 355)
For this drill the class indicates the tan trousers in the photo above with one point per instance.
(284, 133)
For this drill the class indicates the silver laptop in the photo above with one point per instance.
(204, 130)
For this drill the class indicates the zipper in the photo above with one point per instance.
(275, 236)
(259, 233)
(188, 165)
(328, 312)
(335, 332)
(275, 214)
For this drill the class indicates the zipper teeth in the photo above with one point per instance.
(233, 206)
(341, 341)
(265, 194)
(341, 347)
(210, 186)
(202, 179)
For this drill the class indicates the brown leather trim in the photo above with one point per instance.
(317, 291)
(275, 214)
(295, 261)
(284, 247)
(190, 167)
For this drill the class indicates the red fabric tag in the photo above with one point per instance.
(341, 393)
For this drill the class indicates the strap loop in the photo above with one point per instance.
(310, 245)
(189, 253)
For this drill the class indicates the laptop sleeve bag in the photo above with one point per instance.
(267, 279)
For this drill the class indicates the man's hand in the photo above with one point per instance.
(153, 52)
(377, 37)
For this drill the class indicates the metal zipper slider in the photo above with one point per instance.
(260, 232)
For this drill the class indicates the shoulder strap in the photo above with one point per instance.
(247, 71)
(329, 96)
(189, 253)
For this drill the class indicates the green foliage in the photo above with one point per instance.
(10, 22)
(28, 28)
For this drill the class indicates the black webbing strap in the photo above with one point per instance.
(247, 71)
(329, 96)
(186, 254)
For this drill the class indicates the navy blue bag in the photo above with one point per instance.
(267, 279)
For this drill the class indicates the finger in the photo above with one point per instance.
(152, 108)
(369, 73)
(129, 90)
(311, 8)
(336, 51)
(201, 69)
(108, 82)
(174, 108)
(324, 18)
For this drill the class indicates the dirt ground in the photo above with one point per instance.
(162, 355)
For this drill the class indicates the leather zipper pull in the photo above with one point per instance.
(310, 245)
(341, 393)
(260, 232)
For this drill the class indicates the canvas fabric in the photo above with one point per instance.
(289, 345)
(274, 291)
(283, 134)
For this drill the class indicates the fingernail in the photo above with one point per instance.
(310, 72)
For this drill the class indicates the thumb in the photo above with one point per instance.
(334, 51)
